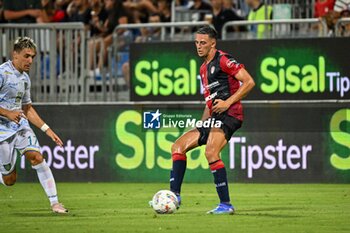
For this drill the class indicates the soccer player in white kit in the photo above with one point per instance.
(15, 133)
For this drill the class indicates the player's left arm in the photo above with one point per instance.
(36, 120)
(247, 85)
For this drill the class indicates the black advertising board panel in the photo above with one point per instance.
(277, 143)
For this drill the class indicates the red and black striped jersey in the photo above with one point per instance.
(219, 82)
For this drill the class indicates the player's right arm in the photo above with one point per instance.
(14, 116)
(247, 85)
(36, 120)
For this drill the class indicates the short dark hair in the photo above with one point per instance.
(24, 43)
(208, 30)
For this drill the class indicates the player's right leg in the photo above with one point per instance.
(9, 179)
(182, 145)
(8, 158)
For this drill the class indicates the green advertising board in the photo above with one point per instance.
(284, 69)
(277, 143)
(165, 71)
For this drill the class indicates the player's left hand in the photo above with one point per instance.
(220, 106)
(54, 137)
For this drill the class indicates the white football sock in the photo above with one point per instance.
(1, 180)
(47, 181)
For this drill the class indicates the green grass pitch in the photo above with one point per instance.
(123, 207)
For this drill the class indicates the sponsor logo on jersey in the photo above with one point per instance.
(212, 85)
(212, 69)
(230, 63)
(210, 97)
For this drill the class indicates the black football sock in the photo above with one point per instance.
(178, 172)
(220, 180)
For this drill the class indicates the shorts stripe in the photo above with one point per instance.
(37, 149)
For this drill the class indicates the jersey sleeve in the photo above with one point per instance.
(229, 65)
(1, 80)
(26, 97)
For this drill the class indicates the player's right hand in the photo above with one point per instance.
(15, 115)
(54, 137)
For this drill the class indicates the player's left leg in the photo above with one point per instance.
(28, 145)
(216, 142)
(46, 179)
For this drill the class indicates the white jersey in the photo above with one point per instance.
(342, 5)
(14, 92)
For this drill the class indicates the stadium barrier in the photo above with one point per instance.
(278, 143)
(183, 14)
(277, 28)
(59, 72)
(342, 27)
(62, 73)
(112, 78)
(298, 9)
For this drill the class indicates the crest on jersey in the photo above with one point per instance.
(212, 69)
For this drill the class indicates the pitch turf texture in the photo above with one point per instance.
(120, 207)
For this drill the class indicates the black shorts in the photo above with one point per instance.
(229, 125)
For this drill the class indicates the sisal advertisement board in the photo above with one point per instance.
(131, 143)
(284, 69)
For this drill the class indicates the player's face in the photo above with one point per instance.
(24, 59)
(204, 44)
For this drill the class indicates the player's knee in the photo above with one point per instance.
(211, 154)
(178, 148)
(10, 179)
(36, 159)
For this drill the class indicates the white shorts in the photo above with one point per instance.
(21, 142)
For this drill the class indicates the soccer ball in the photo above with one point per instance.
(165, 202)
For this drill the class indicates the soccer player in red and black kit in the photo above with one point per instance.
(225, 83)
